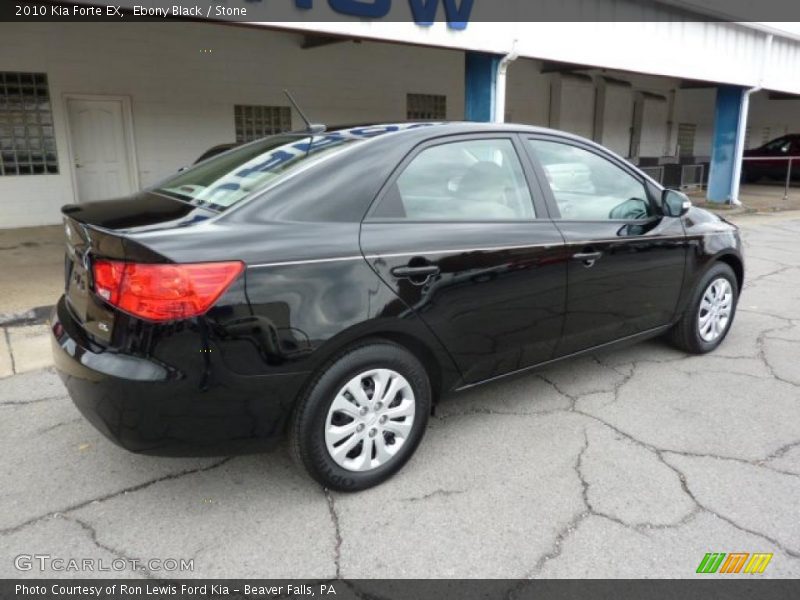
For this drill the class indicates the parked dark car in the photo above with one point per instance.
(333, 286)
(215, 151)
(772, 160)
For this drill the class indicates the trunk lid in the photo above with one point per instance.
(95, 318)
(108, 229)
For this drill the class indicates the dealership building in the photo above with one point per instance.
(90, 111)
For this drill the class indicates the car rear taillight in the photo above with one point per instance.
(163, 292)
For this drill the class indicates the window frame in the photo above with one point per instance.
(650, 188)
(42, 138)
(427, 96)
(538, 202)
(240, 110)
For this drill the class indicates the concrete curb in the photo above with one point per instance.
(35, 316)
(726, 210)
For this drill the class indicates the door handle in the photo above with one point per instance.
(417, 275)
(415, 272)
(587, 258)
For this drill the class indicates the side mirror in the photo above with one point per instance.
(675, 203)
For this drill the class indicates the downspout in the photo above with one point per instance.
(737, 170)
(500, 84)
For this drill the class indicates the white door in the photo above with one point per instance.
(100, 149)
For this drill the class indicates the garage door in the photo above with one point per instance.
(617, 118)
(654, 126)
(575, 105)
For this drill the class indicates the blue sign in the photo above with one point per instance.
(456, 12)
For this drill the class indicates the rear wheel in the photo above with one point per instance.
(362, 417)
(706, 322)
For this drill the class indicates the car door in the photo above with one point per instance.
(626, 259)
(794, 153)
(462, 238)
(774, 158)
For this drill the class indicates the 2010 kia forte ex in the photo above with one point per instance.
(333, 284)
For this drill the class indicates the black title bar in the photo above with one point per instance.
(707, 588)
(458, 14)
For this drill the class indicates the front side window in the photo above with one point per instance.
(588, 187)
(475, 180)
(781, 145)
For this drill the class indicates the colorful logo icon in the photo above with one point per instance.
(735, 562)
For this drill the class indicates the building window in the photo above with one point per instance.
(686, 134)
(27, 141)
(426, 107)
(255, 122)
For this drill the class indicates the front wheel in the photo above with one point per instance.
(708, 319)
(362, 417)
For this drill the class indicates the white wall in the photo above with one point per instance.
(182, 98)
(528, 93)
(654, 43)
(769, 119)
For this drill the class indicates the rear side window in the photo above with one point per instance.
(475, 180)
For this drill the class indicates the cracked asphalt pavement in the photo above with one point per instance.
(632, 463)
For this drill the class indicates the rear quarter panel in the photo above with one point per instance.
(305, 313)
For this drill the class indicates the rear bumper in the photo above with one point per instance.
(148, 407)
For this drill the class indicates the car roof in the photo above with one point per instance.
(446, 127)
(788, 136)
(420, 131)
(415, 132)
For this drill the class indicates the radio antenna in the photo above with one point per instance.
(313, 128)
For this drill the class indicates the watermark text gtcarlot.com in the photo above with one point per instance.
(47, 562)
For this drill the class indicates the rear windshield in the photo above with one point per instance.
(224, 180)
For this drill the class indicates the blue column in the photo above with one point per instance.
(723, 145)
(479, 85)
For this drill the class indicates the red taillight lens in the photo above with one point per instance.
(163, 292)
(107, 280)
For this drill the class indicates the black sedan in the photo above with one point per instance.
(333, 285)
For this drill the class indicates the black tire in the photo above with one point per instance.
(686, 333)
(307, 428)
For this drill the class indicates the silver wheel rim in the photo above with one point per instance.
(369, 420)
(715, 310)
